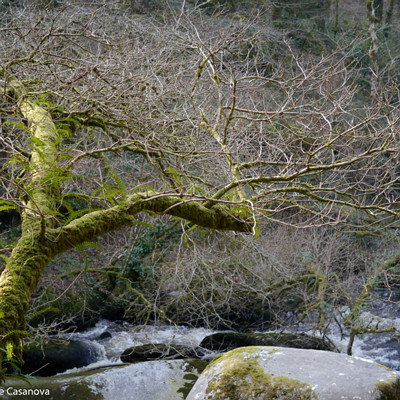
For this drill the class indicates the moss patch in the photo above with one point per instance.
(241, 377)
(389, 390)
(191, 376)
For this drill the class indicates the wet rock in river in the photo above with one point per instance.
(51, 358)
(104, 336)
(157, 351)
(224, 341)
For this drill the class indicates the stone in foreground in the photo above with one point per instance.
(264, 373)
(149, 380)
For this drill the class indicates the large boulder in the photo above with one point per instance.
(224, 341)
(53, 357)
(265, 373)
(150, 380)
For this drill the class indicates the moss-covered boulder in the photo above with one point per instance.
(157, 351)
(224, 341)
(265, 373)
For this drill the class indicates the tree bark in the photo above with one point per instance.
(374, 8)
(32, 252)
(41, 240)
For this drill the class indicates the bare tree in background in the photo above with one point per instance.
(216, 131)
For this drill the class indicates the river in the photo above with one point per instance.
(173, 379)
(382, 348)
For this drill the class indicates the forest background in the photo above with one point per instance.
(282, 119)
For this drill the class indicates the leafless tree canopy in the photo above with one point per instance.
(219, 121)
(206, 112)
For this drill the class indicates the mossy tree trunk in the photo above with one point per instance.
(33, 251)
(42, 240)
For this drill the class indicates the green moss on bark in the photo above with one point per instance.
(97, 223)
(17, 282)
(44, 182)
(33, 251)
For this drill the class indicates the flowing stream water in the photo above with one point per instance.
(109, 339)
(170, 379)
(124, 335)
(382, 348)
(381, 313)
